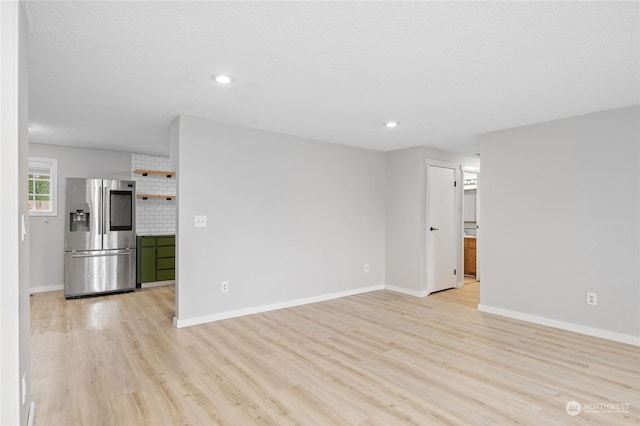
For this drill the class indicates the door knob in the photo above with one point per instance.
(433, 229)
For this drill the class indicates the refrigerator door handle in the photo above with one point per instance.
(74, 255)
(103, 208)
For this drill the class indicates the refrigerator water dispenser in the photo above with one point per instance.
(79, 220)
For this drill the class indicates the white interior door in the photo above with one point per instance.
(441, 230)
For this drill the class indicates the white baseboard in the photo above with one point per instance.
(158, 283)
(590, 331)
(45, 288)
(408, 291)
(180, 323)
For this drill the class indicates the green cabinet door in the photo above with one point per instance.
(147, 269)
(146, 260)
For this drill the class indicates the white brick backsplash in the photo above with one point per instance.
(154, 216)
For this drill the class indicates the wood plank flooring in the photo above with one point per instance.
(377, 358)
(469, 295)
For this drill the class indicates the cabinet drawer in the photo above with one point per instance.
(148, 241)
(166, 241)
(166, 274)
(167, 263)
(169, 251)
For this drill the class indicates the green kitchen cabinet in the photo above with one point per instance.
(156, 259)
(147, 264)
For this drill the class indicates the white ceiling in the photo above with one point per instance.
(113, 75)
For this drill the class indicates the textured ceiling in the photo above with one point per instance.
(114, 74)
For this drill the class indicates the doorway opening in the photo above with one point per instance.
(471, 227)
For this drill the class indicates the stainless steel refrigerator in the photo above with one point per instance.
(100, 237)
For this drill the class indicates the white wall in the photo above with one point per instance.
(581, 199)
(406, 226)
(15, 354)
(405, 248)
(288, 219)
(47, 233)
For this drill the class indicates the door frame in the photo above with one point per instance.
(475, 170)
(458, 224)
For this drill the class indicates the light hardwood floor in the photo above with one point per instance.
(376, 358)
(470, 279)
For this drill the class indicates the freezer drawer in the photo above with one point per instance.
(101, 271)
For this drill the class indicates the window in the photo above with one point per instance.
(43, 187)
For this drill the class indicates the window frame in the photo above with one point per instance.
(36, 166)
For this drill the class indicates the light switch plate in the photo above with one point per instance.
(201, 222)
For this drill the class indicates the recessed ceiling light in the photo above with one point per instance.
(391, 124)
(222, 78)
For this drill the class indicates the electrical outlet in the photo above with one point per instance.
(225, 286)
(366, 267)
(200, 222)
(592, 299)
